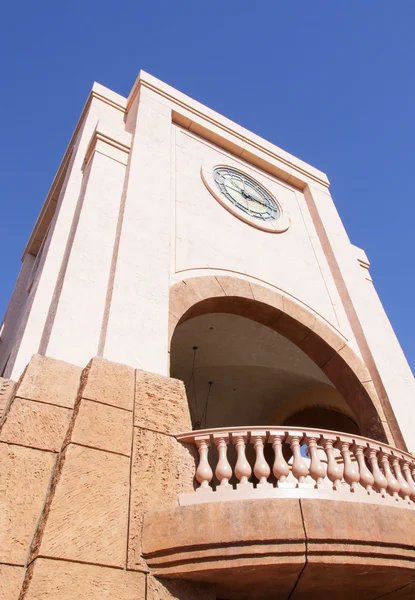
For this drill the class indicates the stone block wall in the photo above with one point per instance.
(84, 453)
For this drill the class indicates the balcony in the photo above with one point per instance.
(273, 507)
(321, 464)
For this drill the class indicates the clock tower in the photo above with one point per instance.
(201, 389)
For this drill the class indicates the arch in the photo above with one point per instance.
(326, 347)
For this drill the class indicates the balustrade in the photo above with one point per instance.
(278, 461)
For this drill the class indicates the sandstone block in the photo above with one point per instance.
(49, 380)
(233, 286)
(317, 349)
(162, 468)
(182, 297)
(355, 363)
(205, 287)
(299, 312)
(7, 387)
(172, 589)
(62, 580)
(104, 427)
(110, 383)
(24, 481)
(89, 512)
(267, 296)
(291, 328)
(329, 335)
(161, 404)
(36, 424)
(11, 579)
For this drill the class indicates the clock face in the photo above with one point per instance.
(246, 194)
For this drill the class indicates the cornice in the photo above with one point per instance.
(185, 110)
(108, 97)
(121, 143)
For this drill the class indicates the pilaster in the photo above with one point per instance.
(137, 330)
(77, 311)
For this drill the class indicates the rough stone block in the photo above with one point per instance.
(104, 427)
(161, 404)
(89, 512)
(62, 580)
(7, 387)
(110, 383)
(36, 424)
(11, 579)
(49, 380)
(172, 589)
(24, 480)
(162, 468)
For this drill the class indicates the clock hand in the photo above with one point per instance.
(247, 196)
(235, 189)
(257, 200)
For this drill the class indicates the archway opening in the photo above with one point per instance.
(239, 372)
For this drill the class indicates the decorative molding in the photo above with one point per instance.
(121, 143)
(292, 169)
(363, 261)
(107, 99)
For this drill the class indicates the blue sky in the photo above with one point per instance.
(331, 82)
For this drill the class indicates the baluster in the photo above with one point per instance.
(405, 490)
(243, 469)
(405, 466)
(393, 485)
(380, 480)
(317, 469)
(280, 467)
(351, 469)
(204, 473)
(300, 467)
(334, 470)
(223, 470)
(367, 479)
(261, 467)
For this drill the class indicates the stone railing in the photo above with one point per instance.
(242, 462)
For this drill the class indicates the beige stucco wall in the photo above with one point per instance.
(139, 304)
(208, 237)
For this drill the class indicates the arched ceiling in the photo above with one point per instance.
(254, 369)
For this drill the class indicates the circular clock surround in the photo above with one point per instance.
(245, 197)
